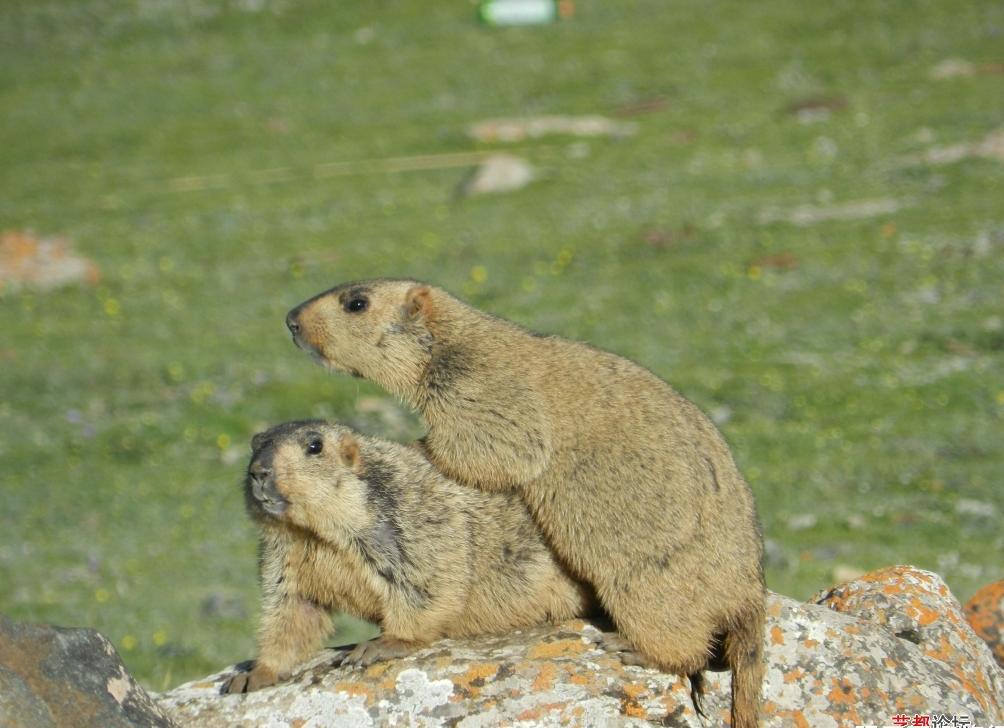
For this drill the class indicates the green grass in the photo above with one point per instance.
(863, 383)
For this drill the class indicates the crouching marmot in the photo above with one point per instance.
(371, 528)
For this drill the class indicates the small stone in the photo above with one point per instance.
(989, 147)
(802, 521)
(721, 414)
(498, 173)
(855, 521)
(953, 68)
(975, 508)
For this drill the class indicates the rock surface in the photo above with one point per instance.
(917, 607)
(985, 614)
(901, 646)
(52, 677)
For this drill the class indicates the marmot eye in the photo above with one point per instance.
(357, 304)
(315, 446)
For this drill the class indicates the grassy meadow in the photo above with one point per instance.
(804, 234)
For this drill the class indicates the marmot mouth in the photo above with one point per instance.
(267, 497)
(274, 508)
(312, 351)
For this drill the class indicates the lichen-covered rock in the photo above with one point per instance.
(28, 261)
(52, 677)
(985, 614)
(917, 606)
(824, 669)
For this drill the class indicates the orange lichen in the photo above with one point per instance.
(634, 690)
(843, 696)
(630, 706)
(537, 712)
(923, 614)
(545, 677)
(794, 675)
(473, 678)
(842, 693)
(376, 670)
(945, 651)
(776, 635)
(558, 648)
(356, 688)
(792, 717)
(985, 614)
(632, 709)
(979, 690)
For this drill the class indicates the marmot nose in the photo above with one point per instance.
(259, 471)
(291, 321)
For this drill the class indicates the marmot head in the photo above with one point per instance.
(377, 329)
(309, 474)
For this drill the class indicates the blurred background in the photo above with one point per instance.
(793, 213)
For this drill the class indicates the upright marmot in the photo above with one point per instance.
(633, 485)
(371, 528)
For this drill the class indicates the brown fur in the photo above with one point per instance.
(634, 487)
(370, 527)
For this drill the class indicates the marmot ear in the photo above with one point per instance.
(418, 302)
(348, 451)
(257, 441)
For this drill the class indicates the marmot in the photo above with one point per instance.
(634, 487)
(370, 527)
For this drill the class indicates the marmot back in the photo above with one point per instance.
(633, 485)
(370, 527)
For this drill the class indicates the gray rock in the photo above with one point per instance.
(824, 668)
(50, 676)
(498, 173)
